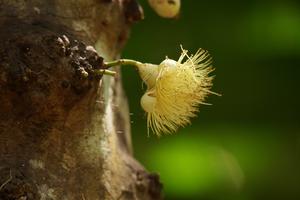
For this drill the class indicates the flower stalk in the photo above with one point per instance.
(122, 62)
(104, 72)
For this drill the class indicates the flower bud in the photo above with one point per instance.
(168, 63)
(148, 101)
(166, 8)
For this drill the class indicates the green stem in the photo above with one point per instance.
(115, 63)
(122, 62)
(104, 72)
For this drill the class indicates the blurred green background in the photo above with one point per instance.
(247, 145)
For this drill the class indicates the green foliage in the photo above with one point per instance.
(247, 145)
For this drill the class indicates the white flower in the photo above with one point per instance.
(175, 89)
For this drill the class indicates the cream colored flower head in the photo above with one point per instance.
(175, 89)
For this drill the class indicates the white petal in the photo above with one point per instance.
(168, 63)
(148, 102)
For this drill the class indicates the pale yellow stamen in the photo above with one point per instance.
(180, 87)
(175, 89)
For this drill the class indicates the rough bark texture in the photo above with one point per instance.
(64, 132)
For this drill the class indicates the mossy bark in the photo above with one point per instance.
(65, 132)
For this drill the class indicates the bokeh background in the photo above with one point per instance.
(247, 145)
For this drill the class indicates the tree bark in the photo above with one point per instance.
(64, 130)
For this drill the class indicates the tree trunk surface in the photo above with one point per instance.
(64, 130)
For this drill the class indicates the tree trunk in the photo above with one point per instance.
(64, 130)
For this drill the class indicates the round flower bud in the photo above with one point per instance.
(169, 63)
(148, 101)
(166, 8)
